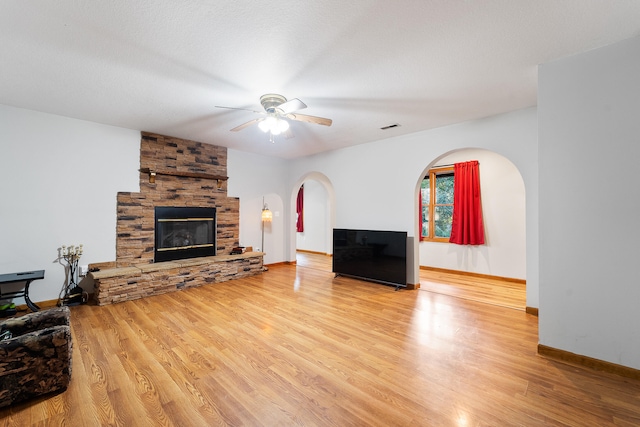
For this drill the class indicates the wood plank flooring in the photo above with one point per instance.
(296, 346)
(482, 289)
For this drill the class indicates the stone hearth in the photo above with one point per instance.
(128, 283)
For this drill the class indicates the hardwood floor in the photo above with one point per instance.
(487, 290)
(314, 260)
(296, 346)
(481, 289)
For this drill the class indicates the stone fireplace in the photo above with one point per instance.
(186, 182)
(174, 173)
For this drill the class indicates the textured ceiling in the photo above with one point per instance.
(163, 66)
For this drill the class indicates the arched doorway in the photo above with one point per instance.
(319, 215)
(503, 200)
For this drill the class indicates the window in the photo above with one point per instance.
(436, 202)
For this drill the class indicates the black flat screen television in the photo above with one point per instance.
(379, 256)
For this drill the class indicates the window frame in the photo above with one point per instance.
(432, 175)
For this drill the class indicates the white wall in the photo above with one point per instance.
(503, 196)
(589, 107)
(316, 219)
(253, 177)
(503, 206)
(376, 184)
(58, 183)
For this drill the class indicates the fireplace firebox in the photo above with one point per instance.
(184, 232)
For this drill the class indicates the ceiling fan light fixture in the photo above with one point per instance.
(276, 110)
(274, 125)
(266, 125)
(283, 125)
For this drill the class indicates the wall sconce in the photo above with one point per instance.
(267, 216)
(219, 183)
(152, 177)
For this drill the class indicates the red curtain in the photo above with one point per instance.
(299, 210)
(467, 227)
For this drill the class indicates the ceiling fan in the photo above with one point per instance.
(276, 110)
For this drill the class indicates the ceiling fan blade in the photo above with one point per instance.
(310, 119)
(243, 109)
(247, 124)
(291, 105)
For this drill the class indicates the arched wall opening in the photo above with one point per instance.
(320, 213)
(504, 215)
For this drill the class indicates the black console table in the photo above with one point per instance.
(27, 277)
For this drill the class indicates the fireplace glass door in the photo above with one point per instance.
(184, 232)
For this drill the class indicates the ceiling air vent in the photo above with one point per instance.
(395, 125)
